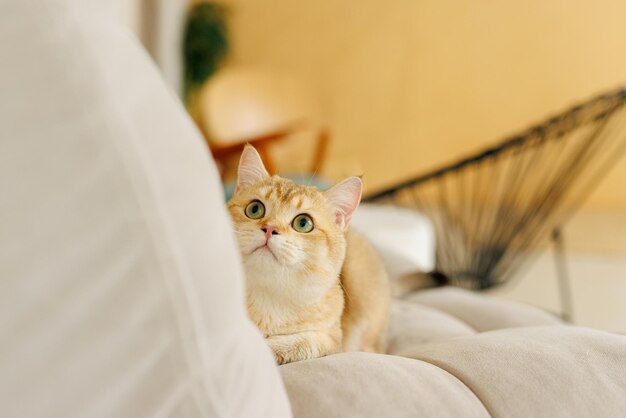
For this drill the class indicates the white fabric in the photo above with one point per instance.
(121, 284)
(166, 35)
(404, 239)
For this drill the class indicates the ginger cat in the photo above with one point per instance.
(313, 287)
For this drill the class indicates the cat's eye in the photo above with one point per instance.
(255, 210)
(302, 223)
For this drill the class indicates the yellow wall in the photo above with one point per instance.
(407, 85)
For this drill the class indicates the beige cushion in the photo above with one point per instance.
(412, 324)
(481, 312)
(551, 370)
(375, 385)
(538, 371)
(121, 284)
(442, 313)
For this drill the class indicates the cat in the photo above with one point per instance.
(313, 286)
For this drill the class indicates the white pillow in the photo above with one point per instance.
(121, 286)
(404, 238)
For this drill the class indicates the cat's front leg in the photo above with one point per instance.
(304, 345)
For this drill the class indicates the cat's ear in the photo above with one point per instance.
(344, 198)
(251, 169)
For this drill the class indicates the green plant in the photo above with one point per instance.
(205, 45)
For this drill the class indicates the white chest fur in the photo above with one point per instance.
(279, 296)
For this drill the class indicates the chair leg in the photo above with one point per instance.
(320, 151)
(563, 277)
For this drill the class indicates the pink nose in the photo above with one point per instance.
(269, 231)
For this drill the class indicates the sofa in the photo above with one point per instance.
(122, 287)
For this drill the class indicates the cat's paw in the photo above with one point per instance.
(283, 353)
(290, 348)
(281, 358)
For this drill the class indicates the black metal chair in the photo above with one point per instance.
(492, 209)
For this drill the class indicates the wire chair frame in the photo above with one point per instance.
(492, 209)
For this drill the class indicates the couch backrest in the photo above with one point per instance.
(121, 287)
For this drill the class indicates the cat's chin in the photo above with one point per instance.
(264, 251)
(264, 260)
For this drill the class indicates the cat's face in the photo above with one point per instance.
(290, 235)
(285, 224)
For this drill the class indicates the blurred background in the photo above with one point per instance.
(394, 89)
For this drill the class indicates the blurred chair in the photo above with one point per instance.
(246, 106)
(492, 209)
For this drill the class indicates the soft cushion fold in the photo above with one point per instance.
(551, 371)
(374, 385)
(482, 312)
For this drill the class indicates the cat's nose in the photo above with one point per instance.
(269, 231)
